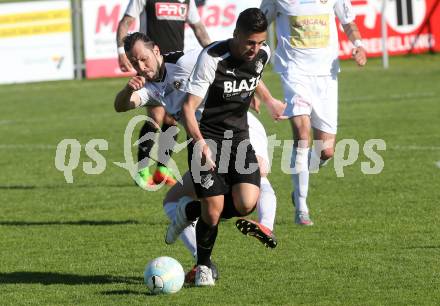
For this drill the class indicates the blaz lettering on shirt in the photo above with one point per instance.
(240, 87)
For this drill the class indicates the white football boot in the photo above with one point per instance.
(204, 276)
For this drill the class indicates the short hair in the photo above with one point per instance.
(252, 20)
(132, 38)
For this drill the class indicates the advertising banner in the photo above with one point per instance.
(100, 22)
(35, 41)
(412, 26)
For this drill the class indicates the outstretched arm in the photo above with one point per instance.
(189, 116)
(127, 98)
(275, 106)
(192, 128)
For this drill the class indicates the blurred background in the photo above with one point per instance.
(77, 38)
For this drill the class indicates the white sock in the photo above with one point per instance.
(314, 161)
(266, 204)
(300, 178)
(188, 236)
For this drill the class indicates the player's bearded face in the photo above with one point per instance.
(249, 44)
(146, 61)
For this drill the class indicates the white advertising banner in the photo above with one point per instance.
(35, 41)
(100, 22)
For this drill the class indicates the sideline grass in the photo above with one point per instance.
(375, 239)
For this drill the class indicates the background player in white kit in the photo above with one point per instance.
(307, 60)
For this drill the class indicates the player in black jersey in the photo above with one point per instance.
(155, 83)
(225, 78)
(165, 23)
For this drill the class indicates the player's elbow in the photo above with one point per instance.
(119, 107)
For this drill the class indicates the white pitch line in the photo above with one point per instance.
(416, 148)
(397, 96)
(27, 146)
(17, 87)
(46, 118)
(4, 122)
(438, 164)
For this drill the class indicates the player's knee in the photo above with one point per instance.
(327, 153)
(212, 218)
(244, 210)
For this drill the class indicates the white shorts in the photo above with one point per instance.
(258, 138)
(316, 96)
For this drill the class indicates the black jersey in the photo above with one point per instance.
(165, 20)
(227, 85)
(166, 23)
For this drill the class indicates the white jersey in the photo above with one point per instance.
(307, 34)
(168, 92)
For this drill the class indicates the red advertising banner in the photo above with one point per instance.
(100, 22)
(413, 26)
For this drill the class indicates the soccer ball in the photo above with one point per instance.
(164, 275)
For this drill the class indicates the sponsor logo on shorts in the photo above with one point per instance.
(206, 181)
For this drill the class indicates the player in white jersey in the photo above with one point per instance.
(164, 21)
(307, 60)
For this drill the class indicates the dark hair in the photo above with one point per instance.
(252, 20)
(132, 38)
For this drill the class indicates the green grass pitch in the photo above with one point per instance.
(376, 239)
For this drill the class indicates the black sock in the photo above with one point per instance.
(146, 146)
(193, 210)
(205, 235)
(164, 147)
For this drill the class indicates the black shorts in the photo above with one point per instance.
(236, 163)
